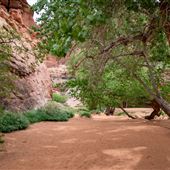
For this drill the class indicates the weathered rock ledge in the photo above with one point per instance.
(32, 80)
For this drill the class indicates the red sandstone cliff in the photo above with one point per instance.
(32, 80)
(19, 10)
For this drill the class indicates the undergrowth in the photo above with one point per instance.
(85, 114)
(59, 98)
(17, 121)
(13, 121)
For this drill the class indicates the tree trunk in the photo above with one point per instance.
(110, 111)
(157, 104)
(165, 106)
(125, 104)
(156, 110)
(165, 13)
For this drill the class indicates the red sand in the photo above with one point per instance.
(89, 144)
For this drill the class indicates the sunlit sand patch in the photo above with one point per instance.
(64, 128)
(50, 147)
(136, 128)
(127, 157)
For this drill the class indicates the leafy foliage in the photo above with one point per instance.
(17, 121)
(59, 98)
(6, 84)
(85, 114)
(128, 35)
(49, 113)
(66, 21)
(111, 88)
(12, 121)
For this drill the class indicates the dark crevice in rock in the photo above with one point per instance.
(8, 6)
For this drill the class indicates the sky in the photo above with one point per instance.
(31, 2)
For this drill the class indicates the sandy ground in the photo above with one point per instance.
(100, 143)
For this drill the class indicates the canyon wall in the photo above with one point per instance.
(31, 78)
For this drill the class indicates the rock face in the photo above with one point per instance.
(31, 78)
(19, 10)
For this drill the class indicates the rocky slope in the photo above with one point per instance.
(32, 80)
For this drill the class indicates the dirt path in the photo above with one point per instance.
(89, 144)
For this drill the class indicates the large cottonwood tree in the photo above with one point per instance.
(135, 35)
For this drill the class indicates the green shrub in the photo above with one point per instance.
(55, 115)
(35, 116)
(16, 121)
(13, 121)
(58, 98)
(69, 113)
(97, 112)
(49, 114)
(82, 108)
(61, 108)
(85, 114)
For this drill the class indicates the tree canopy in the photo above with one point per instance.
(133, 34)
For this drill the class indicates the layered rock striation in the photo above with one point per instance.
(31, 78)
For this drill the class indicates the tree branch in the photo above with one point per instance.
(130, 116)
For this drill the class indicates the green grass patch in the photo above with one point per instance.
(58, 98)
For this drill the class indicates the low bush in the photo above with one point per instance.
(58, 98)
(55, 115)
(17, 121)
(69, 113)
(85, 114)
(82, 108)
(61, 108)
(12, 121)
(97, 112)
(49, 114)
(35, 116)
